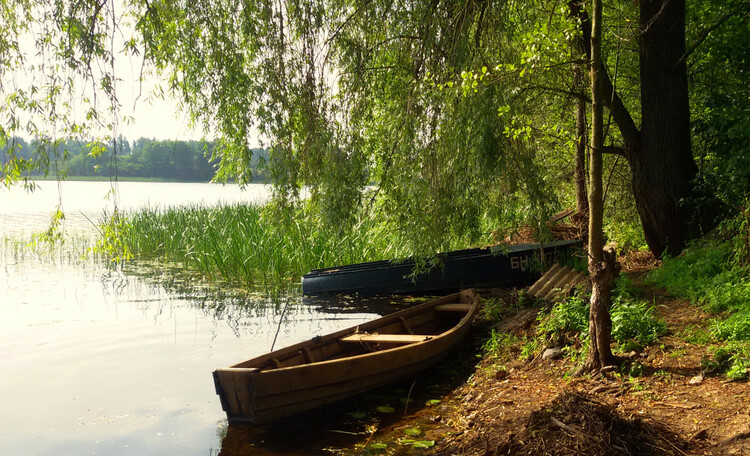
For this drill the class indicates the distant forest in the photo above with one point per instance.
(182, 161)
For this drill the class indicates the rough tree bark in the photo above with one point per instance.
(662, 166)
(602, 266)
(580, 218)
(663, 169)
(582, 202)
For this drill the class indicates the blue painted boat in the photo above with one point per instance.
(496, 266)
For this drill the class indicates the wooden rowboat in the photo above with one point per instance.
(329, 368)
(497, 266)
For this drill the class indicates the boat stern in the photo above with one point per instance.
(236, 390)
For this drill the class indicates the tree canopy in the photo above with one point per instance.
(439, 114)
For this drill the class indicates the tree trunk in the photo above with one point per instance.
(659, 154)
(602, 275)
(580, 219)
(663, 168)
(602, 268)
(579, 49)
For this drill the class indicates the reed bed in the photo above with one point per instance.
(67, 249)
(248, 245)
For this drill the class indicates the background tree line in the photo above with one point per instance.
(182, 161)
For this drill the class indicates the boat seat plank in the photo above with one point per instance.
(386, 338)
(453, 307)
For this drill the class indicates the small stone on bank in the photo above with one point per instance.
(552, 353)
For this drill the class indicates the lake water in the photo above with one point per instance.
(95, 361)
(86, 202)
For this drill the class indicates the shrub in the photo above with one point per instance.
(568, 316)
(634, 323)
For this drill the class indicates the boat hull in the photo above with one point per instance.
(460, 269)
(256, 396)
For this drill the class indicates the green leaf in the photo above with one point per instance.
(424, 444)
(432, 402)
(379, 446)
(385, 409)
(414, 432)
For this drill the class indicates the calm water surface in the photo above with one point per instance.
(101, 362)
(85, 202)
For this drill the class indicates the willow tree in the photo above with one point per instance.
(411, 98)
(451, 109)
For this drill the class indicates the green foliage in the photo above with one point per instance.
(623, 286)
(720, 98)
(378, 446)
(731, 359)
(706, 275)
(635, 369)
(112, 243)
(626, 232)
(531, 347)
(736, 326)
(498, 343)
(698, 336)
(738, 228)
(494, 309)
(634, 323)
(186, 161)
(413, 432)
(710, 275)
(568, 316)
(692, 274)
(449, 123)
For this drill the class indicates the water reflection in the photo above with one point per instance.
(85, 202)
(117, 362)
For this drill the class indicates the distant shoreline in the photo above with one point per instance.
(132, 179)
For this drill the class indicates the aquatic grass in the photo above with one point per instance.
(246, 244)
(63, 249)
(267, 246)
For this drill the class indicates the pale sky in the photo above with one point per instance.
(154, 117)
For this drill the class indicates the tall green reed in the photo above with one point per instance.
(249, 245)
